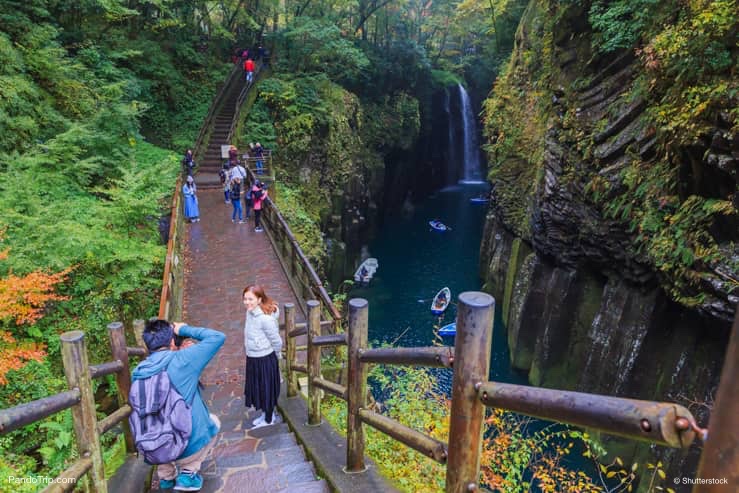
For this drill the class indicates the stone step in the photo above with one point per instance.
(319, 486)
(131, 477)
(260, 478)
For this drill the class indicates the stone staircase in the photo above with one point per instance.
(260, 460)
(211, 161)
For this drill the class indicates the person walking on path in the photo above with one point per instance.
(258, 194)
(235, 194)
(249, 69)
(184, 368)
(189, 190)
(263, 344)
(225, 181)
(237, 171)
(259, 155)
(188, 163)
(248, 201)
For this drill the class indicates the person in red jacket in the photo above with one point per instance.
(249, 68)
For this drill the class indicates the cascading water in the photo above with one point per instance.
(451, 156)
(472, 172)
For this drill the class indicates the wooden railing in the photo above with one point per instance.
(81, 400)
(303, 279)
(664, 423)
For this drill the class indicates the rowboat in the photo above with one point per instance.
(439, 226)
(448, 330)
(366, 271)
(441, 301)
(480, 200)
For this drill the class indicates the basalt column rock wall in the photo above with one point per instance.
(577, 329)
(584, 299)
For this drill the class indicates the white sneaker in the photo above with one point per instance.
(260, 421)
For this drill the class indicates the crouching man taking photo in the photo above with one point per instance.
(171, 424)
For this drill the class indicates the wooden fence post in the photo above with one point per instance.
(138, 332)
(314, 363)
(720, 457)
(475, 313)
(356, 384)
(77, 371)
(117, 337)
(292, 377)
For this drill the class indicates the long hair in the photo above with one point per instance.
(268, 305)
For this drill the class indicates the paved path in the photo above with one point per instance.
(221, 259)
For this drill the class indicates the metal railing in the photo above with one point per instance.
(81, 400)
(664, 423)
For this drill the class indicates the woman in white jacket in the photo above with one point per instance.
(263, 345)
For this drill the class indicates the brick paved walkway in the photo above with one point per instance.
(221, 259)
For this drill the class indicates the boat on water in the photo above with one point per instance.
(439, 226)
(366, 271)
(448, 330)
(441, 301)
(480, 199)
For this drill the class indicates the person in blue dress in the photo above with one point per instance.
(189, 190)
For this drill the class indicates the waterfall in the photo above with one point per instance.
(451, 155)
(471, 156)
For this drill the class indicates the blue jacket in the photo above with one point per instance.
(184, 368)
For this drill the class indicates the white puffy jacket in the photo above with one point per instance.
(261, 334)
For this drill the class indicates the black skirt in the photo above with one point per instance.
(262, 386)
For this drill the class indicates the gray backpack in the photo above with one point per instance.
(161, 420)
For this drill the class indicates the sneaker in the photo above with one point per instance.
(259, 421)
(166, 484)
(188, 481)
(262, 422)
(258, 230)
(233, 221)
(241, 222)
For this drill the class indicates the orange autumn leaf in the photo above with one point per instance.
(16, 355)
(22, 299)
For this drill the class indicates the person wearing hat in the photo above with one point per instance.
(184, 368)
(189, 190)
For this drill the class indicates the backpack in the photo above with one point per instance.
(256, 194)
(249, 195)
(222, 176)
(235, 191)
(161, 420)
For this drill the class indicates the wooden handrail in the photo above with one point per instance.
(164, 299)
(282, 228)
(656, 422)
(97, 371)
(29, 412)
(70, 475)
(113, 419)
(80, 398)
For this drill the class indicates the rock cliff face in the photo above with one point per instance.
(586, 306)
